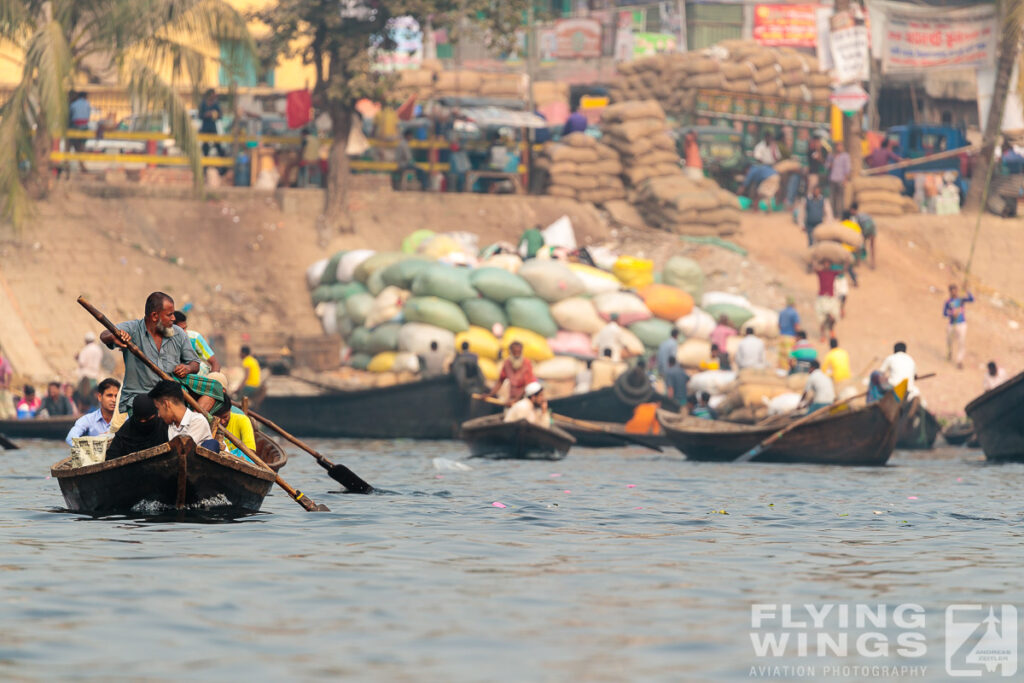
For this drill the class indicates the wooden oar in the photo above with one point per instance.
(760, 448)
(775, 418)
(582, 424)
(7, 444)
(297, 496)
(339, 473)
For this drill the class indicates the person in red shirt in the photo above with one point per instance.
(827, 304)
(517, 371)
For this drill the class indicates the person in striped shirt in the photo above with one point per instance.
(207, 359)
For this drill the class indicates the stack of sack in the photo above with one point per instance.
(432, 81)
(389, 306)
(546, 93)
(688, 207)
(582, 168)
(749, 395)
(738, 66)
(637, 130)
(882, 195)
(836, 243)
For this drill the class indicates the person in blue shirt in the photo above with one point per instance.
(956, 332)
(789, 319)
(667, 350)
(576, 123)
(97, 422)
(676, 379)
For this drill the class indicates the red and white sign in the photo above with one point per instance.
(922, 39)
(790, 25)
(849, 98)
(578, 38)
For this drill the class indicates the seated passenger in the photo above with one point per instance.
(97, 422)
(239, 425)
(142, 430)
(179, 418)
(533, 407)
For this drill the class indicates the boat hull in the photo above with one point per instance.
(918, 429)
(861, 437)
(603, 405)
(51, 428)
(492, 437)
(996, 416)
(427, 409)
(175, 475)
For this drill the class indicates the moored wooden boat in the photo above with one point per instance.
(857, 436)
(53, 428)
(958, 433)
(604, 435)
(997, 416)
(491, 437)
(918, 428)
(174, 475)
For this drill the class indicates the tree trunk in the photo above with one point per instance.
(39, 176)
(1008, 46)
(336, 217)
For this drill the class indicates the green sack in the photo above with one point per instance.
(435, 311)
(652, 332)
(321, 293)
(360, 361)
(375, 283)
(686, 274)
(444, 281)
(384, 338)
(359, 340)
(343, 324)
(411, 243)
(484, 313)
(358, 306)
(379, 261)
(737, 315)
(403, 273)
(340, 291)
(330, 274)
(531, 313)
(499, 285)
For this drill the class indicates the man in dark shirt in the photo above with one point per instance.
(816, 210)
(209, 114)
(576, 123)
(55, 403)
(882, 156)
(675, 381)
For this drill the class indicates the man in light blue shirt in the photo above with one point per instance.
(667, 349)
(97, 422)
(160, 340)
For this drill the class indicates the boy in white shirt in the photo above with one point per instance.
(170, 405)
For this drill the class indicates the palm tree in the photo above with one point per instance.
(157, 47)
(1012, 20)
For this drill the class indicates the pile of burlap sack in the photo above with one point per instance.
(688, 207)
(739, 66)
(582, 168)
(432, 81)
(882, 195)
(637, 130)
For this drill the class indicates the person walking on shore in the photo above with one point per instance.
(956, 331)
(838, 174)
(816, 212)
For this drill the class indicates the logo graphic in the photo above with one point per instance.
(981, 639)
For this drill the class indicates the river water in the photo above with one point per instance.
(610, 565)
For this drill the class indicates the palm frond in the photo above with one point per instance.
(153, 93)
(14, 147)
(48, 59)
(14, 17)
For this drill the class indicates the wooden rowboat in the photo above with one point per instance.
(918, 428)
(996, 415)
(174, 475)
(492, 437)
(860, 436)
(54, 428)
(270, 452)
(605, 435)
(958, 433)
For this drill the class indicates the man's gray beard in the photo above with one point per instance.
(165, 332)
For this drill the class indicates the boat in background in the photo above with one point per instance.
(918, 428)
(175, 475)
(997, 416)
(958, 433)
(852, 436)
(51, 428)
(491, 437)
(270, 452)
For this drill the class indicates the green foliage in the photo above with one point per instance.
(156, 46)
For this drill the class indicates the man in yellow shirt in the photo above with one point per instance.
(836, 363)
(237, 423)
(251, 383)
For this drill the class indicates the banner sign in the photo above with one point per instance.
(850, 49)
(786, 25)
(931, 39)
(577, 38)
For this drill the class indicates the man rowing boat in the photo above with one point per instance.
(160, 340)
(533, 407)
(516, 371)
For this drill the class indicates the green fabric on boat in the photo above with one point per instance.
(204, 386)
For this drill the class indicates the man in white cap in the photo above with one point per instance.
(533, 407)
(90, 360)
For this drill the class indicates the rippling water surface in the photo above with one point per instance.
(610, 565)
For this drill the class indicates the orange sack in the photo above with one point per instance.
(667, 302)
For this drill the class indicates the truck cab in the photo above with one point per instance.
(914, 141)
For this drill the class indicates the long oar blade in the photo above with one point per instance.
(349, 479)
